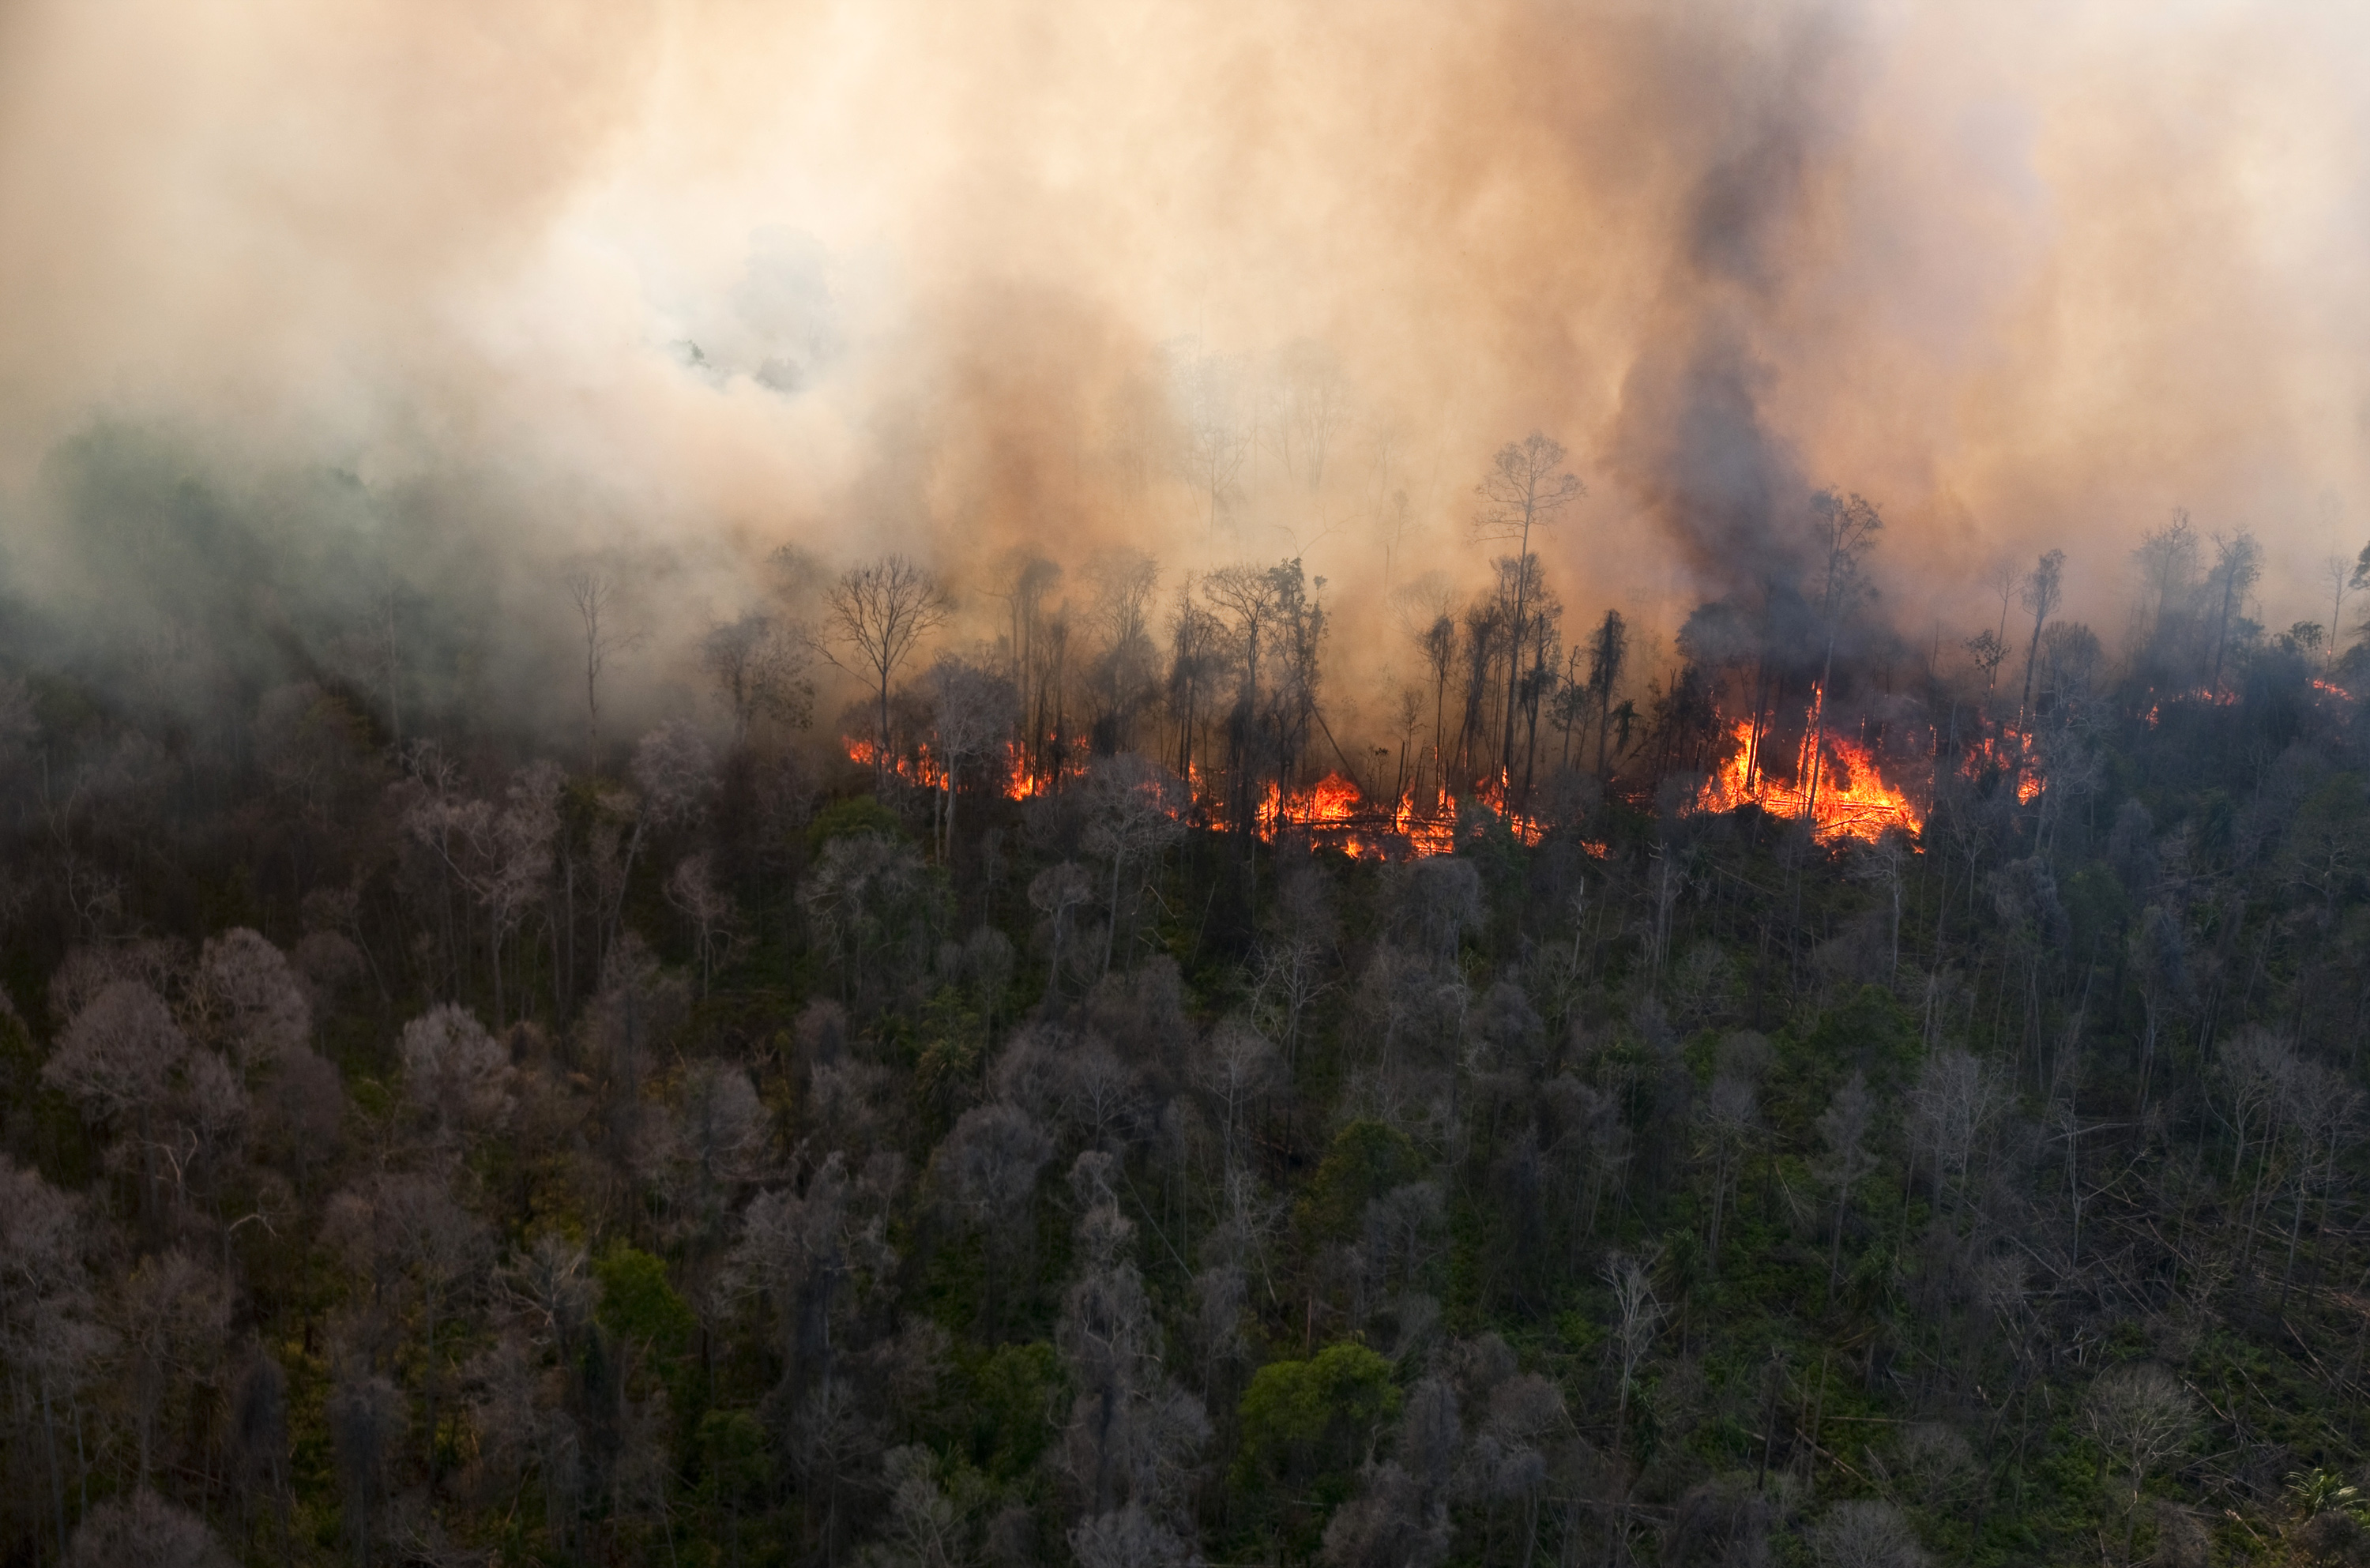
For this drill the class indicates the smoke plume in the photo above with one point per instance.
(466, 296)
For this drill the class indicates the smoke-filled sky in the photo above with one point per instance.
(692, 280)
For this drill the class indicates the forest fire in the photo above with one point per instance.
(920, 770)
(1021, 782)
(2005, 755)
(1332, 812)
(1845, 796)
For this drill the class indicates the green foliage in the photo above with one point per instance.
(735, 1461)
(640, 1307)
(845, 819)
(1013, 1396)
(2099, 907)
(1316, 1415)
(856, 1386)
(1366, 1160)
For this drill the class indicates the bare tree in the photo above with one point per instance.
(1132, 1432)
(1844, 527)
(1986, 651)
(1054, 892)
(987, 1170)
(2167, 563)
(1527, 488)
(1234, 1068)
(365, 1418)
(247, 998)
(2237, 565)
(2340, 574)
(47, 1335)
(404, 1228)
(1843, 1127)
(500, 854)
(1953, 1105)
(971, 710)
(455, 1072)
(1212, 442)
(693, 892)
(595, 595)
(2001, 580)
(1608, 651)
(1133, 811)
(761, 671)
(1726, 1121)
(879, 612)
(143, 1530)
(1638, 1314)
(1638, 1318)
(1129, 1537)
(1858, 1534)
(1315, 399)
(115, 1061)
(2043, 586)
(171, 1313)
(2142, 1416)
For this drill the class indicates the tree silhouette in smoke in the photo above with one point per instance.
(880, 611)
(1526, 489)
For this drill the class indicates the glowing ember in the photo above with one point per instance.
(920, 770)
(1331, 802)
(1492, 794)
(2008, 755)
(1331, 813)
(1428, 833)
(1853, 800)
(1022, 782)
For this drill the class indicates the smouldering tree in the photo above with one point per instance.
(1842, 529)
(880, 611)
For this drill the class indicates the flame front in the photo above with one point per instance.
(1333, 811)
(1847, 798)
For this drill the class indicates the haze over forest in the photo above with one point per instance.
(1173, 785)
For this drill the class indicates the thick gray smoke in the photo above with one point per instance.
(459, 297)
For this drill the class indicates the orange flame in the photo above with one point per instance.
(1333, 811)
(921, 771)
(1853, 800)
(2007, 753)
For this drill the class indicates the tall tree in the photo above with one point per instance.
(1844, 527)
(760, 668)
(605, 634)
(2237, 565)
(1526, 489)
(879, 612)
(2043, 587)
(1608, 651)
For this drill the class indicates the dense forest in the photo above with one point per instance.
(1808, 1093)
